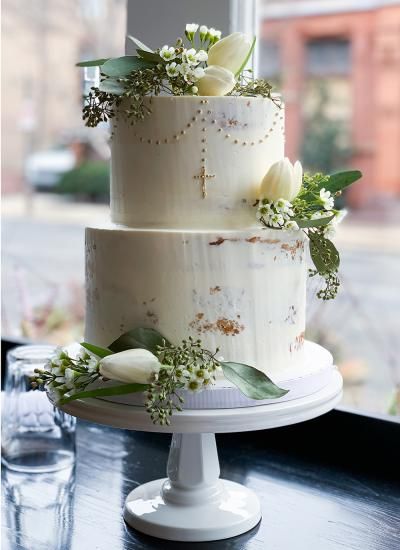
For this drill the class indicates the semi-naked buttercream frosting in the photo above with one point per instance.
(185, 254)
(157, 164)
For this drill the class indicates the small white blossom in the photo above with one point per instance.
(201, 56)
(194, 384)
(203, 31)
(291, 225)
(264, 210)
(277, 220)
(190, 56)
(197, 73)
(172, 69)
(184, 69)
(167, 53)
(191, 28)
(326, 199)
(283, 206)
(195, 90)
(215, 34)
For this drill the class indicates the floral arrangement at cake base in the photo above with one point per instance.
(148, 363)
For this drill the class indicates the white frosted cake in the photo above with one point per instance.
(184, 253)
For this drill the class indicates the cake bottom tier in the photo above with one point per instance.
(241, 291)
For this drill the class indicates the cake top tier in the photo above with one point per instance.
(194, 162)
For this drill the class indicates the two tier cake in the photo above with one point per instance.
(199, 280)
(184, 253)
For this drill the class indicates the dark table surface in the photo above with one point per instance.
(310, 498)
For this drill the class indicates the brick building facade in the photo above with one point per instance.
(372, 30)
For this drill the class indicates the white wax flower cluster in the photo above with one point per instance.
(277, 214)
(224, 59)
(186, 64)
(69, 376)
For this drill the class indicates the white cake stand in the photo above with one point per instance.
(193, 503)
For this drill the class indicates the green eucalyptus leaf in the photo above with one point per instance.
(92, 63)
(252, 382)
(143, 338)
(323, 254)
(105, 392)
(139, 44)
(122, 66)
(246, 59)
(151, 57)
(341, 180)
(314, 223)
(112, 86)
(97, 350)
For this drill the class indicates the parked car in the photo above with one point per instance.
(44, 169)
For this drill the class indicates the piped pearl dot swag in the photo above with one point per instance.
(205, 118)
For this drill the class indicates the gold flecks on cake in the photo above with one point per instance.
(223, 325)
(298, 343)
(215, 289)
(294, 248)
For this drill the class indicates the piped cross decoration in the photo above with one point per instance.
(203, 177)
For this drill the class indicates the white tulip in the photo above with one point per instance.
(216, 81)
(132, 366)
(230, 52)
(282, 181)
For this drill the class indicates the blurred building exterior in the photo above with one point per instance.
(42, 89)
(338, 65)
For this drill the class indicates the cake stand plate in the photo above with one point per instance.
(193, 503)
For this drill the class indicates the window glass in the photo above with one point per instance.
(54, 170)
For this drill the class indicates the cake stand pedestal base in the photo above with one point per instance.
(192, 504)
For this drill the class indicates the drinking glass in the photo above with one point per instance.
(37, 437)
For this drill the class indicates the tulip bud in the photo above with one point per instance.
(132, 366)
(230, 52)
(282, 181)
(216, 81)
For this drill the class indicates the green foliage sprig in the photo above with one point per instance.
(187, 366)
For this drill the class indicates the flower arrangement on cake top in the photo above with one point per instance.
(207, 65)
